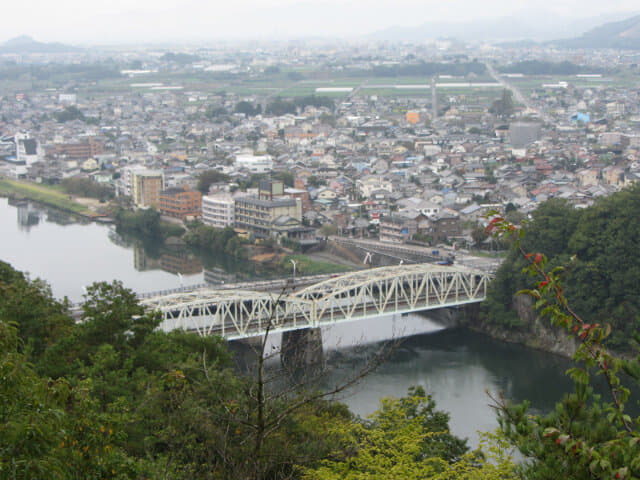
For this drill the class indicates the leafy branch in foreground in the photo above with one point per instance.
(585, 436)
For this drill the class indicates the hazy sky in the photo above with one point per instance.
(116, 21)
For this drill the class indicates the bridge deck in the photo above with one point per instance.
(357, 295)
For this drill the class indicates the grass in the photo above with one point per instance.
(47, 195)
(308, 266)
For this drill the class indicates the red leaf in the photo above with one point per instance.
(538, 258)
(528, 255)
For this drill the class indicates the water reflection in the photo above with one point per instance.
(457, 367)
(28, 216)
(176, 262)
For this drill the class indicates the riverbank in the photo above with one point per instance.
(17, 190)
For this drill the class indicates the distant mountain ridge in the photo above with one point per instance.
(26, 44)
(536, 26)
(624, 34)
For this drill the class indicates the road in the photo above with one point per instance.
(517, 94)
(466, 259)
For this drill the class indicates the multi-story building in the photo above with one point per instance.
(146, 187)
(218, 210)
(397, 229)
(258, 216)
(444, 226)
(254, 163)
(180, 202)
(77, 151)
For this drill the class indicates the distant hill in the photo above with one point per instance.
(26, 44)
(536, 25)
(624, 34)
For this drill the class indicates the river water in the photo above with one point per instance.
(457, 366)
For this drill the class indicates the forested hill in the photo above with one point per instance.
(603, 282)
(112, 397)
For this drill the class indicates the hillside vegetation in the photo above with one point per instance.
(601, 282)
(114, 398)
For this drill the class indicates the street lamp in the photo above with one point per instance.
(293, 262)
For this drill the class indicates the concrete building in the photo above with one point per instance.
(146, 187)
(27, 149)
(180, 202)
(218, 210)
(77, 151)
(257, 216)
(397, 229)
(522, 134)
(254, 163)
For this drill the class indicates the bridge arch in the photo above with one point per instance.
(236, 314)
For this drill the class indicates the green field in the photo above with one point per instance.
(309, 266)
(51, 196)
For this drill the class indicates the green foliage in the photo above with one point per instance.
(145, 223)
(285, 176)
(215, 240)
(312, 100)
(215, 112)
(308, 266)
(406, 439)
(601, 281)
(113, 398)
(209, 177)
(29, 304)
(503, 107)
(69, 113)
(85, 187)
(422, 237)
(248, 108)
(585, 436)
(280, 107)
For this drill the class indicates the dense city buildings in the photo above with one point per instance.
(398, 157)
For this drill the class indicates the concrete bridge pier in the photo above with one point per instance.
(447, 317)
(301, 349)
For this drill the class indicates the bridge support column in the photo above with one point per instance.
(447, 317)
(301, 349)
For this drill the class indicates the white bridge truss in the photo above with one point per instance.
(358, 295)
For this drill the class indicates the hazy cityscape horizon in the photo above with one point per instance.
(191, 23)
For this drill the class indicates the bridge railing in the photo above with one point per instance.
(237, 314)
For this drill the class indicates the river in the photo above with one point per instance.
(455, 365)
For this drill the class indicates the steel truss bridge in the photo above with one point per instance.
(238, 314)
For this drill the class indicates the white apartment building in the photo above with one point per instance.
(254, 163)
(218, 210)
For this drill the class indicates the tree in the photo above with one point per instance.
(408, 439)
(215, 112)
(478, 235)
(209, 177)
(279, 107)
(285, 176)
(69, 113)
(585, 436)
(503, 107)
(248, 108)
(29, 305)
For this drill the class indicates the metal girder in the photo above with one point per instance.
(365, 293)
